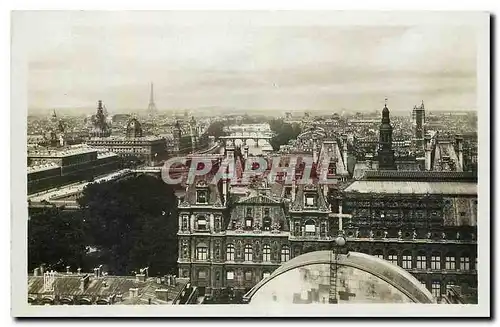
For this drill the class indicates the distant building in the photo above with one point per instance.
(385, 151)
(53, 168)
(152, 149)
(418, 125)
(425, 222)
(100, 127)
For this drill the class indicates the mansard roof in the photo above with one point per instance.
(331, 150)
(298, 202)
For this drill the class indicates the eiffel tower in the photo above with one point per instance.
(152, 107)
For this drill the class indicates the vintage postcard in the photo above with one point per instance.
(281, 163)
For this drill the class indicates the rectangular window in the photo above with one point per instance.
(202, 223)
(201, 197)
(202, 274)
(450, 263)
(310, 201)
(435, 263)
(285, 254)
(248, 222)
(266, 212)
(249, 212)
(380, 256)
(464, 263)
(407, 262)
(248, 275)
(201, 253)
(393, 258)
(436, 289)
(265, 275)
(230, 275)
(421, 262)
(310, 229)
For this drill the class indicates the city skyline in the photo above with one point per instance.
(245, 62)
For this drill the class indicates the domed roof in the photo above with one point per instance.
(134, 128)
(362, 278)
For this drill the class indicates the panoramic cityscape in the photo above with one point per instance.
(355, 182)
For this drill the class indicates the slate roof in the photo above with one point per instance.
(412, 187)
(420, 175)
(103, 287)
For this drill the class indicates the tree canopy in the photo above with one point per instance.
(56, 238)
(284, 132)
(133, 223)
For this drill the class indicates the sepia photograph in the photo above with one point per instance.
(278, 163)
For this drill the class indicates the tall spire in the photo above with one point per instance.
(152, 107)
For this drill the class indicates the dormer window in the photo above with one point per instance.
(331, 168)
(266, 221)
(201, 196)
(310, 200)
(248, 222)
(202, 223)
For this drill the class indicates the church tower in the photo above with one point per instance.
(385, 152)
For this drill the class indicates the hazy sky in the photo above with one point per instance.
(245, 61)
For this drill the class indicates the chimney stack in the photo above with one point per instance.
(84, 282)
(133, 292)
(36, 272)
(68, 270)
(79, 271)
(428, 150)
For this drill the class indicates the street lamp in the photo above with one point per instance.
(340, 241)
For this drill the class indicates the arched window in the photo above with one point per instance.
(378, 253)
(285, 253)
(201, 252)
(435, 261)
(421, 260)
(266, 253)
(465, 262)
(436, 289)
(248, 252)
(407, 260)
(392, 257)
(230, 252)
(449, 263)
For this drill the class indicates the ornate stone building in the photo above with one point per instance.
(152, 149)
(234, 235)
(425, 222)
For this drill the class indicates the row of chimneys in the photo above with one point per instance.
(459, 142)
(39, 271)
